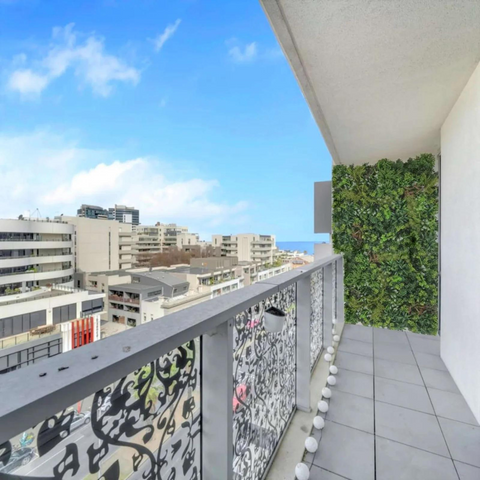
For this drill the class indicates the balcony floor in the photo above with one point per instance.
(395, 413)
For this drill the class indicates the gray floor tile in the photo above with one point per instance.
(439, 379)
(412, 428)
(430, 361)
(354, 382)
(420, 345)
(351, 410)
(354, 346)
(321, 474)
(452, 406)
(402, 394)
(402, 372)
(346, 452)
(357, 332)
(356, 363)
(463, 441)
(395, 353)
(401, 462)
(383, 335)
(467, 472)
(421, 336)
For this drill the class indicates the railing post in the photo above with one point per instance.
(327, 305)
(340, 292)
(217, 399)
(304, 310)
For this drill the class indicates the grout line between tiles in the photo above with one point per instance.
(436, 416)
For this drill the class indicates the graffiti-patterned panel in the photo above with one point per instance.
(145, 426)
(264, 384)
(316, 316)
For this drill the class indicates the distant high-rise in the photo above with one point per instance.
(92, 211)
(120, 213)
(124, 214)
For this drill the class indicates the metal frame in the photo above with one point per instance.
(33, 394)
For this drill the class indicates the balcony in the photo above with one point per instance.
(36, 274)
(395, 410)
(218, 396)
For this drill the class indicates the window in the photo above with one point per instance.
(131, 322)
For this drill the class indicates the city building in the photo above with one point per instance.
(120, 213)
(153, 239)
(247, 246)
(100, 244)
(214, 281)
(34, 254)
(140, 301)
(92, 211)
(40, 325)
(124, 214)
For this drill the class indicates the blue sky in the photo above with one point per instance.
(186, 109)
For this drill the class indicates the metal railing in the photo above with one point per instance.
(205, 393)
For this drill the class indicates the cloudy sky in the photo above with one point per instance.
(186, 109)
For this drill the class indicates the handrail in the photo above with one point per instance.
(64, 379)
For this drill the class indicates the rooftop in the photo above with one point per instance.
(162, 276)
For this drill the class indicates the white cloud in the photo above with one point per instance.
(27, 82)
(89, 61)
(167, 33)
(52, 173)
(243, 55)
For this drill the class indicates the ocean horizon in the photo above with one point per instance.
(299, 246)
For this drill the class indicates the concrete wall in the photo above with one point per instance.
(97, 243)
(460, 243)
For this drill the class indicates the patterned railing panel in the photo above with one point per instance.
(316, 316)
(334, 288)
(264, 384)
(145, 426)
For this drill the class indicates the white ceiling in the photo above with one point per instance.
(380, 76)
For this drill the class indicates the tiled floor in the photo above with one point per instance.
(395, 413)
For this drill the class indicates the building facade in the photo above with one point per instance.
(34, 254)
(124, 214)
(247, 246)
(120, 213)
(100, 244)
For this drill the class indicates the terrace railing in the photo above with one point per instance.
(203, 393)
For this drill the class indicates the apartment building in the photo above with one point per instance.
(92, 211)
(120, 213)
(100, 244)
(124, 214)
(140, 301)
(152, 239)
(34, 254)
(247, 246)
(215, 281)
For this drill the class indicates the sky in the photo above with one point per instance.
(185, 109)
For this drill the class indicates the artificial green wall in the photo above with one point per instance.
(385, 222)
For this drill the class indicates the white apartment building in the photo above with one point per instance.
(37, 297)
(101, 244)
(152, 239)
(247, 247)
(34, 254)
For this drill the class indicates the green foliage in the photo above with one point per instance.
(385, 222)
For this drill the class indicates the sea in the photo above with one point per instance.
(299, 246)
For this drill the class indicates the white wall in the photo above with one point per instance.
(460, 243)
